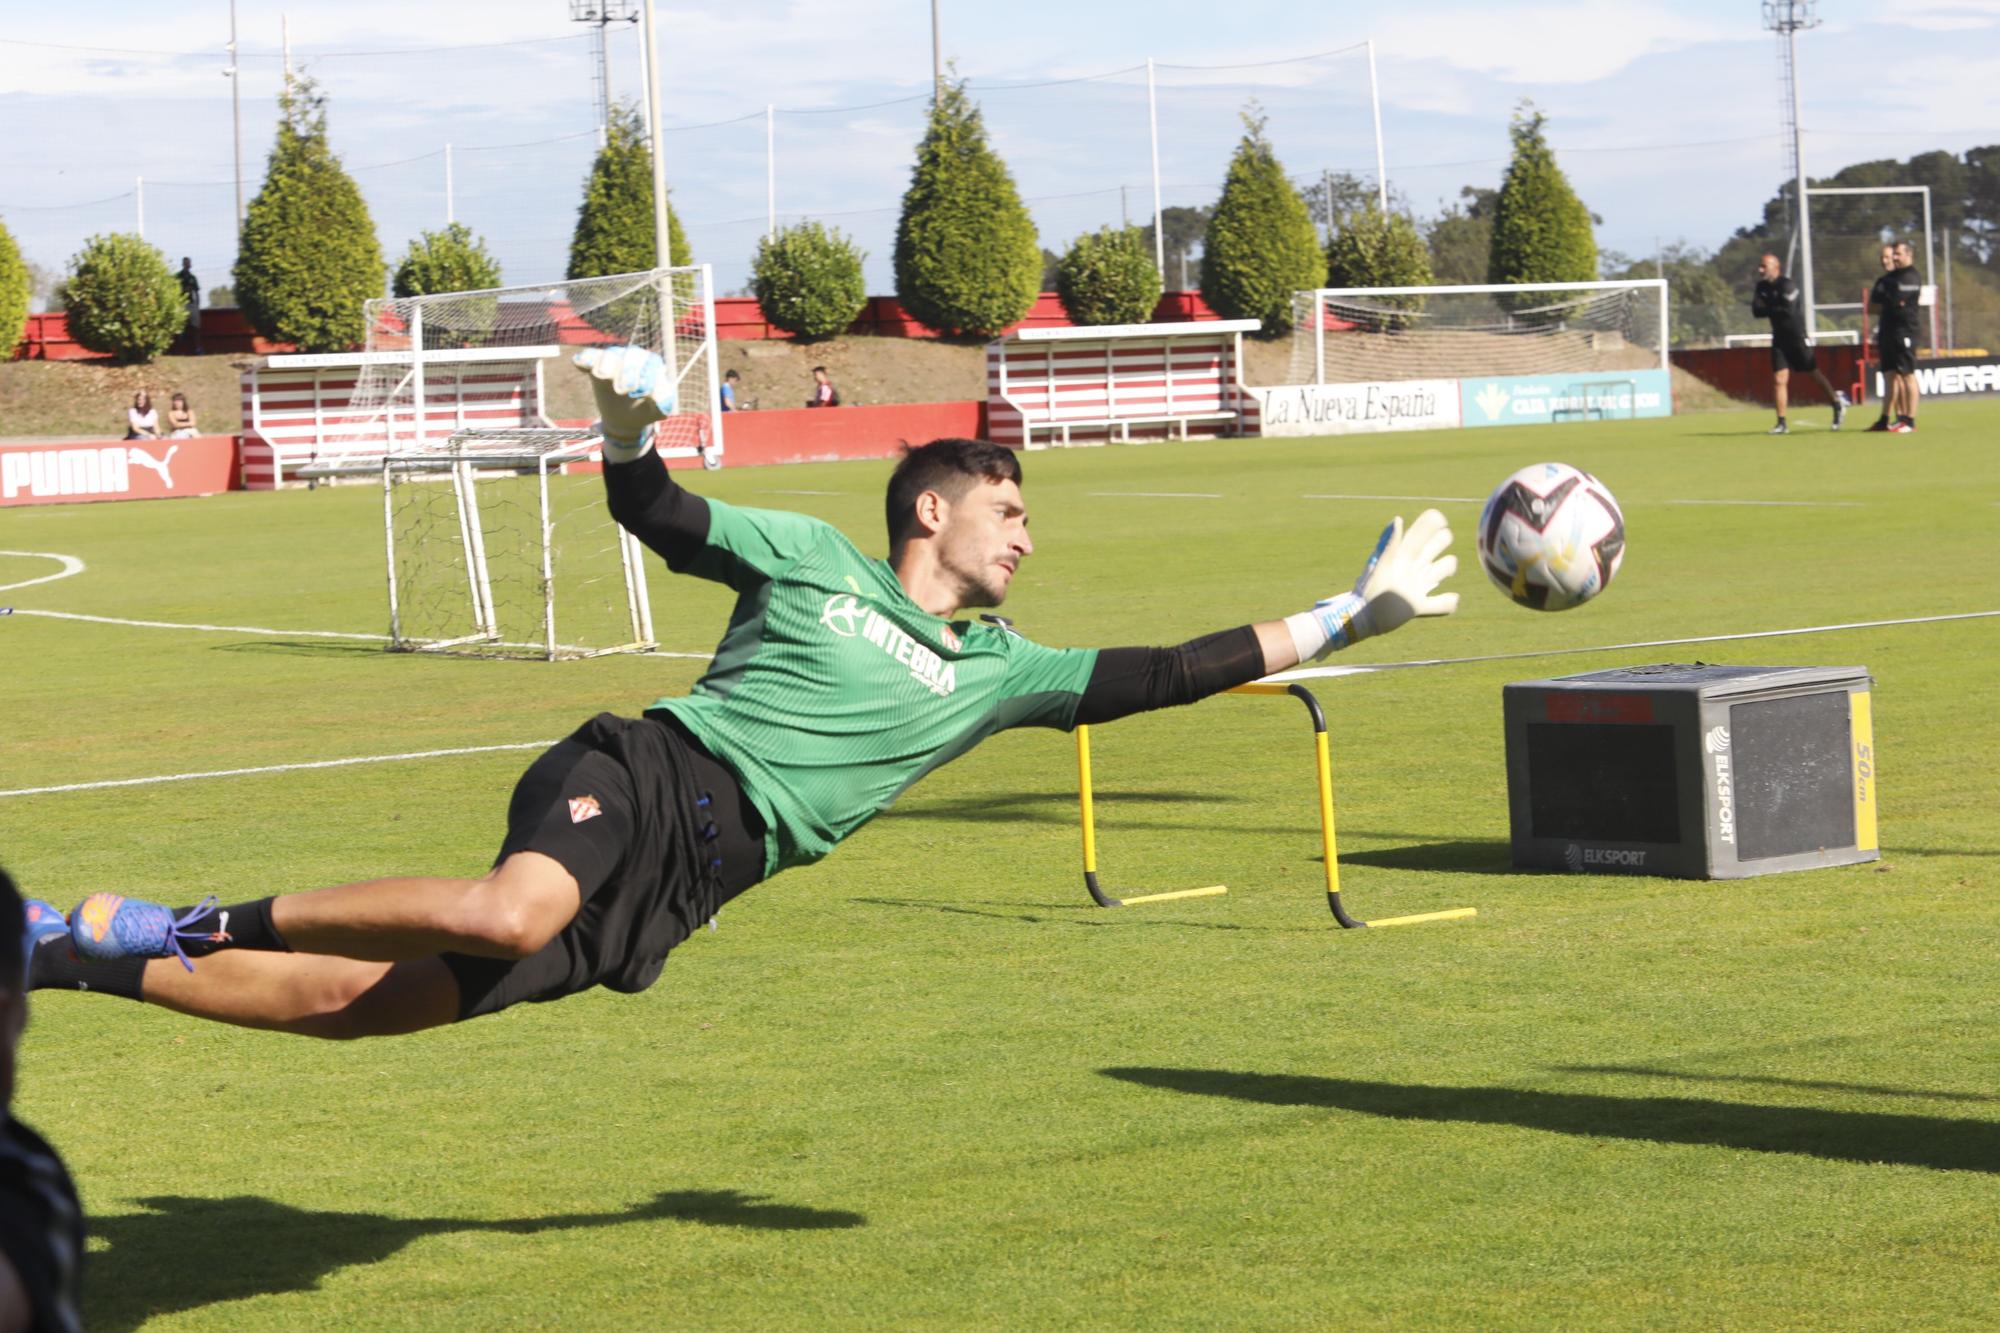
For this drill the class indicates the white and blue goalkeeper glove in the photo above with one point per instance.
(633, 392)
(1398, 584)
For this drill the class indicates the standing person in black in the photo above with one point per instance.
(1778, 299)
(191, 297)
(1895, 341)
(1910, 288)
(41, 1223)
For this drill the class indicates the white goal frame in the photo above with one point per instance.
(507, 452)
(1321, 296)
(1930, 250)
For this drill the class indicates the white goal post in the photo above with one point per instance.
(497, 537)
(1378, 334)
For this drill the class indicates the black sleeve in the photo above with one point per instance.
(1759, 307)
(1136, 680)
(648, 503)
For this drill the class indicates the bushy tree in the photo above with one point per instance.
(15, 288)
(309, 256)
(967, 260)
(1541, 230)
(1260, 246)
(123, 299)
(452, 260)
(807, 279)
(1183, 229)
(1701, 307)
(1373, 250)
(614, 224)
(1107, 277)
(1461, 238)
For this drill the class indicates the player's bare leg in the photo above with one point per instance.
(1781, 381)
(1833, 395)
(307, 994)
(509, 912)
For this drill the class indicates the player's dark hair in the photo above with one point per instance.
(950, 467)
(731, 375)
(13, 925)
(819, 370)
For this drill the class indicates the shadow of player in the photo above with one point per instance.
(1937, 1142)
(187, 1253)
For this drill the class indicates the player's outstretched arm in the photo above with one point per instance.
(633, 393)
(1398, 584)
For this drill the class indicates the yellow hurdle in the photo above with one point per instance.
(1323, 766)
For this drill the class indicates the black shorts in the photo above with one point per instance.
(658, 835)
(1790, 352)
(1898, 353)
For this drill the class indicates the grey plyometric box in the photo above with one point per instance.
(1701, 772)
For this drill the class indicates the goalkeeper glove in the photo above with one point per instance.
(632, 392)
(1398, 584)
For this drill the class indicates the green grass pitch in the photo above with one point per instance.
(925, 1084)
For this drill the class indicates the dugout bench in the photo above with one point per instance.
(1095, 385)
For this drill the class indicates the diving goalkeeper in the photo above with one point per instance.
(840, 681)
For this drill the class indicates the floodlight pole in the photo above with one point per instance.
(662, 246)
(1381, 167)
(236, 115)
(770, 171)
(1786, 17)
(1159, 224)
(937, 56)
(449, 213)
(139, 196)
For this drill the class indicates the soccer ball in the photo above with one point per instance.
(1551, 537)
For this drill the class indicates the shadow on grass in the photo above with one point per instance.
(1466, 856)
(1840, 1136)
(186, 1253)
(1048, 807)
(309, 647)
(1084, 913)
(1770, 1081)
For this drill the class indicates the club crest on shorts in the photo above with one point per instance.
(582, 808)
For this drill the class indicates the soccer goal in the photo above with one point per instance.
(498, 540)
(1356, 335)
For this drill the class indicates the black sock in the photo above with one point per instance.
(55, 966)
(244, 926)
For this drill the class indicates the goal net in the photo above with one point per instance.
(1368, 334)
(434, 367)
(503, 547)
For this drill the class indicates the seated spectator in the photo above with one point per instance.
(824, 394)
(142, 422)
(180, 418)
(41, 1223)
(731, 382)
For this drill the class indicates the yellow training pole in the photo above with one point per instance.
(1085, 800)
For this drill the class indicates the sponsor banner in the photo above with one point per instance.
(1520, 400)
(1950, 376)
(66, 471)
(1341, 409)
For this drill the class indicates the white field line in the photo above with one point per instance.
(265, 630)
(1428, 499)
(801, 492)
(277, 768)
(1778, 504)
(1309, 673)
(70, 565)
(1156, 495)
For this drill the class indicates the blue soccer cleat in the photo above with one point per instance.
(44, 923)
(108, 926)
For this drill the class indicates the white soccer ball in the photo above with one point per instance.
(1551, 537)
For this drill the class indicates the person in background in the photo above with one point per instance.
(731, 382)
(180, 418)
(142, 420)
(1777, 299)
(824, 394)
(191, 294)
(41, 1222)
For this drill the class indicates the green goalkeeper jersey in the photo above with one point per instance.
(832, 692)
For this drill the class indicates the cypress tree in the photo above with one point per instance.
(614, 224)
(1260, 246)
(310, 257)
(123, 299)
(1541, 230)
(1108, 278)
(15, 290)
(452, 260)
(967, 258)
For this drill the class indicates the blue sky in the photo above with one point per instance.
(1666, 116)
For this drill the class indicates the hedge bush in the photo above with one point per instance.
(614, 223)
(807, 279)
(1374, 250)
(452, 260)
(1541, 230)
(16, 293)
(967, 259)
(1108, 278)
(123, 298)
(1260, 246)
(309, 256)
